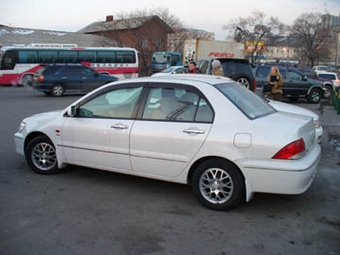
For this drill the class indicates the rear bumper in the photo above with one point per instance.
(281, 176)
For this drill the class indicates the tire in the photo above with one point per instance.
(27, 80)
(314, 96)
(328, 92)
(244, 81)
(41, 156)
(218, 184)
(57, 90)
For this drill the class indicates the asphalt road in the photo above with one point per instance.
(85, 211)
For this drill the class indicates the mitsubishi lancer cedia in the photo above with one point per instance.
(205, 131)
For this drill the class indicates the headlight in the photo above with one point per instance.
(317, 124)
(21, 126)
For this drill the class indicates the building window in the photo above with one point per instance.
(144, 43)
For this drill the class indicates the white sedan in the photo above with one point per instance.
(205, 131)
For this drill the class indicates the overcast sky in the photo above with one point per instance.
(72, 15)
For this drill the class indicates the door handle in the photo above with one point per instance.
(120, 126)
(193, 131)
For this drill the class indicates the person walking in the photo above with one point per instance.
(275, 81)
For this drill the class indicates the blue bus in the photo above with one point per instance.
(164, 59)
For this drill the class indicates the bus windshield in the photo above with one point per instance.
(161, 57)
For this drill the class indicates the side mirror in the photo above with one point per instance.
(71, 111)
(304, 78)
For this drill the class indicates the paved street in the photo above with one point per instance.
(85, 211)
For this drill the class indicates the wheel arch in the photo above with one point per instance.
(201, 160)
(310, 91)
(33, 135)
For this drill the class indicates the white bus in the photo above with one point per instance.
(19, 63)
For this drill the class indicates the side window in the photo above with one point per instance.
(229, 69)
(204, 112)
(294, 76)
(175, 104)
(87, 72)
(118, 103)
(263, 71)
(283, 73)
(71, 71)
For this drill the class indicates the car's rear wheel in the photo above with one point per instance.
(218, 184)
(57, 90)
(314, 96)
(244, 81)
(41, 155)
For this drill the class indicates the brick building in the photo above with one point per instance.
(146, 34)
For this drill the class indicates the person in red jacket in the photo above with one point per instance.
(193, 68)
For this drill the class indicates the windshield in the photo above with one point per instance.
(246, 101)
(161, 57)
(169, 70)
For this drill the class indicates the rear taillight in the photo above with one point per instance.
(41, 78)
(254, 85)
(293, 150)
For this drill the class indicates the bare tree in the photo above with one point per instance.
(313, 37)
(253, 29)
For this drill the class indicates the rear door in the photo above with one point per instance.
(70, 76)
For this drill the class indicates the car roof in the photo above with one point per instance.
(182, 78)
(333, 73)
(242, 60)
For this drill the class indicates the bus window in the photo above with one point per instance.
(47, 56)
(105, 57)
(125, 57)
(28, 56)
(87, 56)
(68, 57)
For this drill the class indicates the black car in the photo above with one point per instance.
(235, 68)
(295, 84)
(58, 79)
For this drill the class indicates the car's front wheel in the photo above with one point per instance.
(328, 92)
(41, 155)
(218, 184)
(57, 90)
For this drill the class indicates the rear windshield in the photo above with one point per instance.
(246, 101)
(327, 76)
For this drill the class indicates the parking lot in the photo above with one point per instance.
(86, 211)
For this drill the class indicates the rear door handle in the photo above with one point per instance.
(193, 131)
